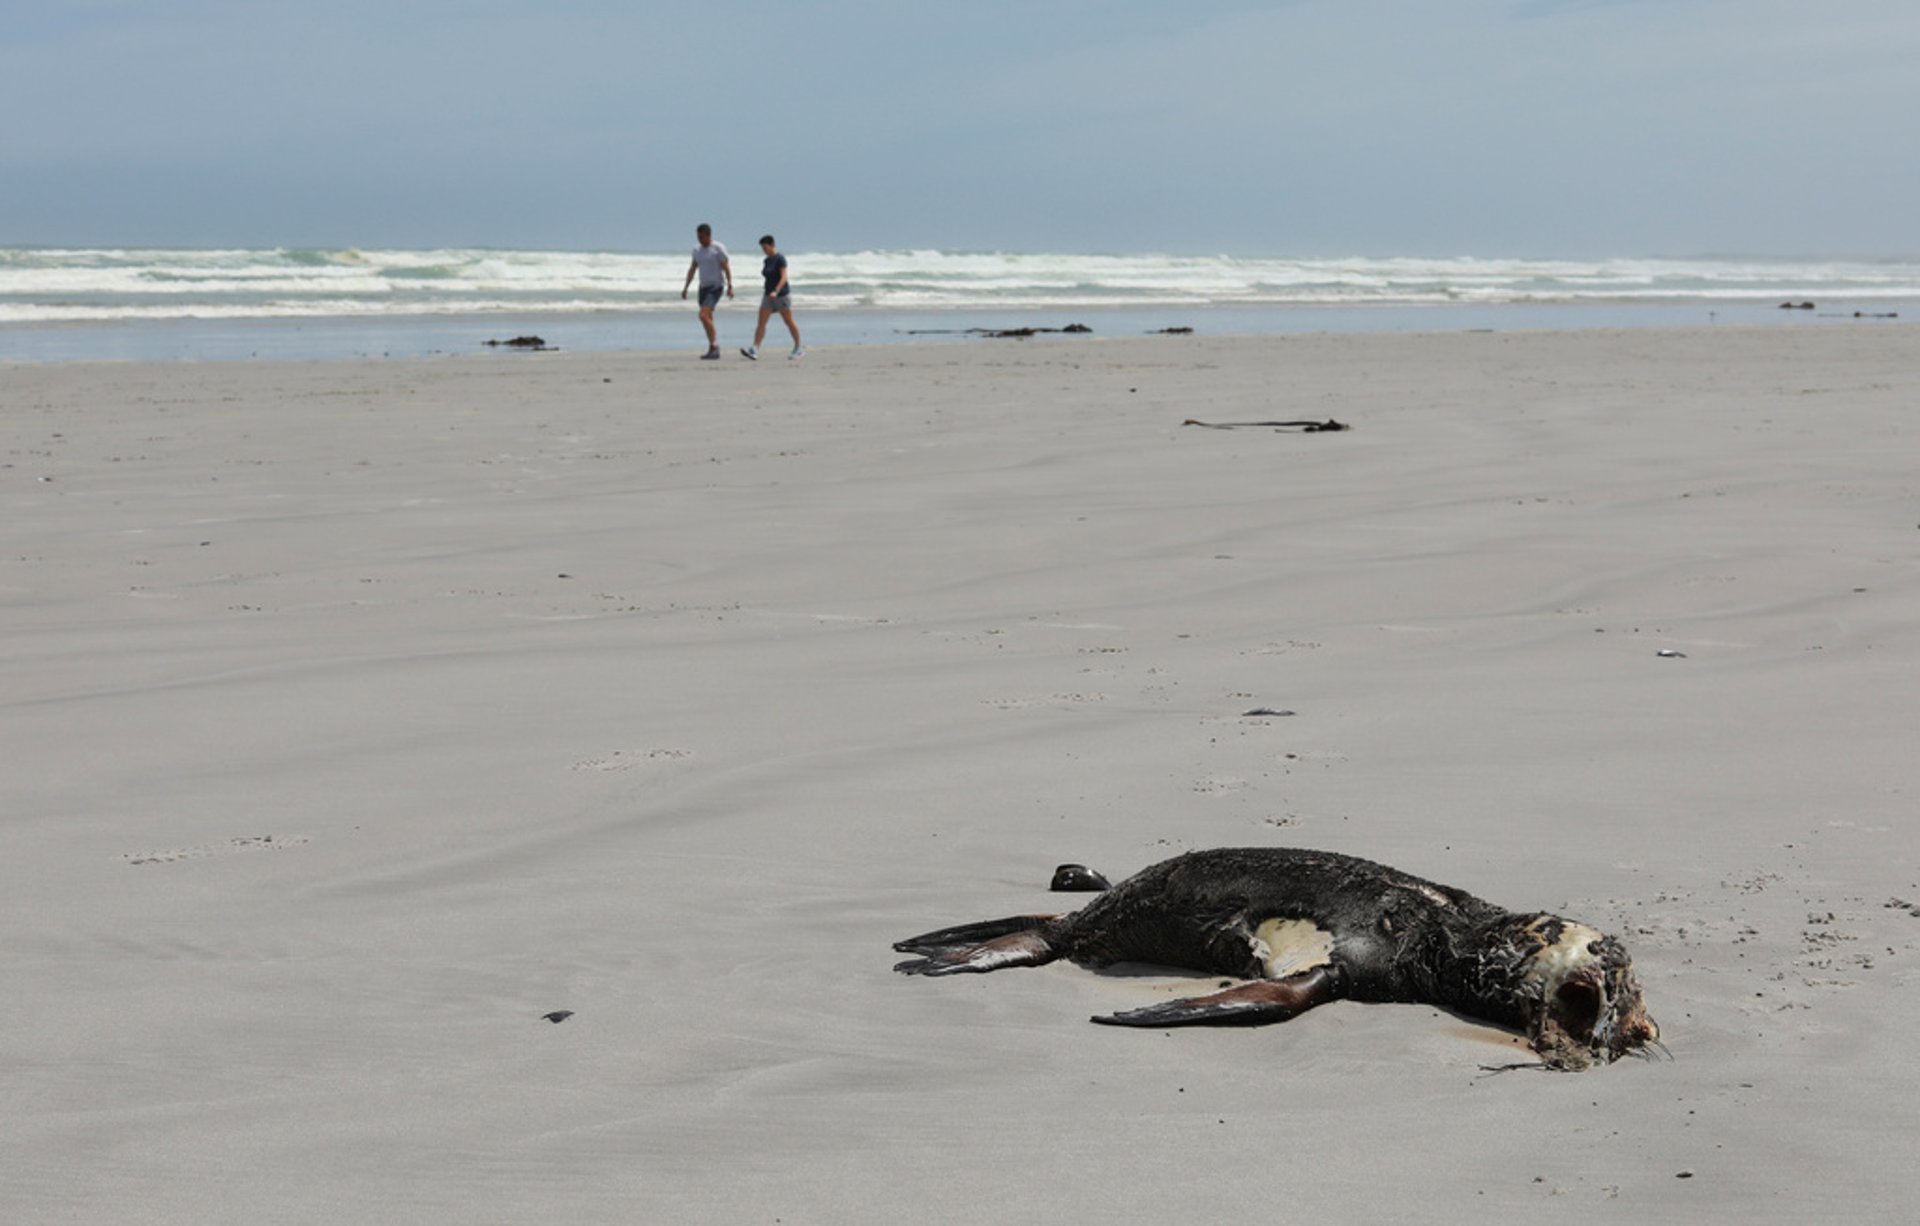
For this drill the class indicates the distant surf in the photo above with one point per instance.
(55, 286)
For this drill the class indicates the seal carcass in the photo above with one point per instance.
(1307, 927)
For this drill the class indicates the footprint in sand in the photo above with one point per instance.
(258, 842)
(1216, 785)
(626, 760)
(1049, 700)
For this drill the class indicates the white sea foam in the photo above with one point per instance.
(72, 285)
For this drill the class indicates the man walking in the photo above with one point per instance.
(778, 297)
(710, 262)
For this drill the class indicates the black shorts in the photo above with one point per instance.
(710, 295)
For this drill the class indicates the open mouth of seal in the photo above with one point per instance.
(1567, 1036)
(1591, 1006)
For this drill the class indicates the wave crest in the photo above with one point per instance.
(49, 285)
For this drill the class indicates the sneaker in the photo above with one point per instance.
(750, 354)
(797, 354)
(711, 355)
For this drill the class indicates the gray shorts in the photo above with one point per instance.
(710, 295)
(777, 303)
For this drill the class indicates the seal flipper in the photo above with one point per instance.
(1018, 940)
(1250, 1004)
(1027, 948)
(971, 934)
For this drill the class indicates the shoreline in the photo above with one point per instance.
(361, 338)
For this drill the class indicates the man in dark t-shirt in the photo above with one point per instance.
(778, 297)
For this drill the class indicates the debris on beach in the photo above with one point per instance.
(1171, 332)
(1018, 334)
(536, 343)
(1260, 712)
(1303, 427)
(557, 1016)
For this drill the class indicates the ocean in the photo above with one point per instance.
(77, 304)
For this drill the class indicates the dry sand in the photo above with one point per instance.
(358, 714)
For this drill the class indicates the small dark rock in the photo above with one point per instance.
(557, 1016)
(1257, 711)
(521, 342)
(1077, 879)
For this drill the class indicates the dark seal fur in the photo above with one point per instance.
(1307, 927)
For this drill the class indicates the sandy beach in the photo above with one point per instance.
(360, 714)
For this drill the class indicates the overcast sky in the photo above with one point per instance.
(1315, 127)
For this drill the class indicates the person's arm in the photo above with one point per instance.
(693, 266)
(780, 286)
(726, 267)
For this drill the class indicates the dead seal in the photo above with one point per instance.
(1308, 927)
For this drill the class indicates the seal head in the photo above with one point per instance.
(1587, 1006)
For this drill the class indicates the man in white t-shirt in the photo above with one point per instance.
(710, 262)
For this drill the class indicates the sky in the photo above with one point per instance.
(1499, 128)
